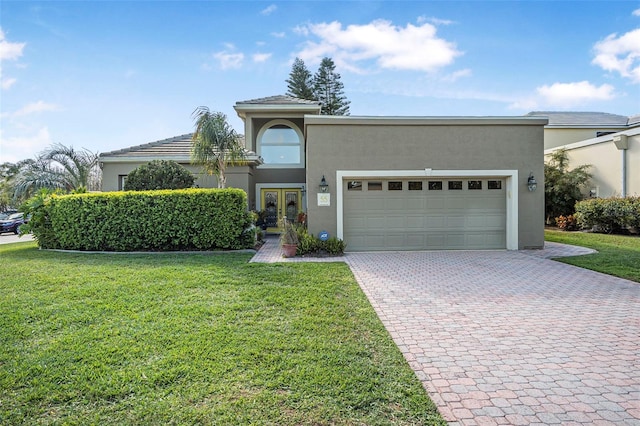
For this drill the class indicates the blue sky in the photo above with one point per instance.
(111, 74)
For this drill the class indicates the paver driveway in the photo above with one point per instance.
(508, 338)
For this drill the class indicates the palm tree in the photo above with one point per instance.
(58, 167)
(215, 144)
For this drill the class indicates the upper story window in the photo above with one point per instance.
(280, 145)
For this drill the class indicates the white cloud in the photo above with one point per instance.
(8, 52)
(435, 21)
(415, 48)
(301, 30)
(35, 107)
(7, 83)
(620, 54)
(566, 95)
(261, 57)
(229, 60)
(278, 35)
(16, 148)
(570, 94)
(269, 10)
(636, 12)
(456, 75)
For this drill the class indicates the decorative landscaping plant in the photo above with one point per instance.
(288, 238)
(309, 244)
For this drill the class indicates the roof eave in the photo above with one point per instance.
(250, 159)
(587, 126)
(425, 121)
(243, 109)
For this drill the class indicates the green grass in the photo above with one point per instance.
(617, 255)
(194, 339)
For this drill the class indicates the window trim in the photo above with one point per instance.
(291, 125)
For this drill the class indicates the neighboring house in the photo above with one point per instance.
(392, 183)
(609, 143)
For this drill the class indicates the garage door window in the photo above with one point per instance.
(395, 186)
(355, 185)
(435, 185)
(374, 186)
(474, 184)
(455, 185)
(415, 186)
(494, 184)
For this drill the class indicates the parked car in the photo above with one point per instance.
(12, 223)
(5, 214)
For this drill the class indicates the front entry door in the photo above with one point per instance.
(278, 202)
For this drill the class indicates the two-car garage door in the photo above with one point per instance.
(424, 214)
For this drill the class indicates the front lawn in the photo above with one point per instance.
(617, 255)
(194, 339)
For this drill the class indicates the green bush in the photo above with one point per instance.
(609, 215)
(334, 246)
(187, 219)
(311, 244)
(39, 220)
(563, 187)
(307, 243)
(159, 174)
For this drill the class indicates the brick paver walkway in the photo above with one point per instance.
(500, 337)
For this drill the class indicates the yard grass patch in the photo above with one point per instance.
(618, 255)
(194, 338)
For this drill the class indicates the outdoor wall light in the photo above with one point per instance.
(324, 186)
(532, 184)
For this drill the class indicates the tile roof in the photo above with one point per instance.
(177, 147)
(278, 100)
(580, 118)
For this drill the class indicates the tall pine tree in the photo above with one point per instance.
(329, 90)
(300, 81)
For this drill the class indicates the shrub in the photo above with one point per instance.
(311, 244)
(159, 174)
(307, 243)
(334, 246)
(609, 215)
(566, 223)
(187, 219)
(39, 223)
(562, 187)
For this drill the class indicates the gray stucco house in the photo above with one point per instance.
(392, 183)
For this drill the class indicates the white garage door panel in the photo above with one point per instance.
(424, 219)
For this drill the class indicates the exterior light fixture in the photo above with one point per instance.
(324, 186)
(532, 184)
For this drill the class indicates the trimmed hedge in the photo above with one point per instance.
(609, 215)
(165, 220)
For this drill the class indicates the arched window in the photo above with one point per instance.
(280, 144)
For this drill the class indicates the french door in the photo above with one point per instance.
(279, 202)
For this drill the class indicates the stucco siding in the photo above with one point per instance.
(237, 177)
(606, 166)
(279, 175)
(555, 137)
(415, 146)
